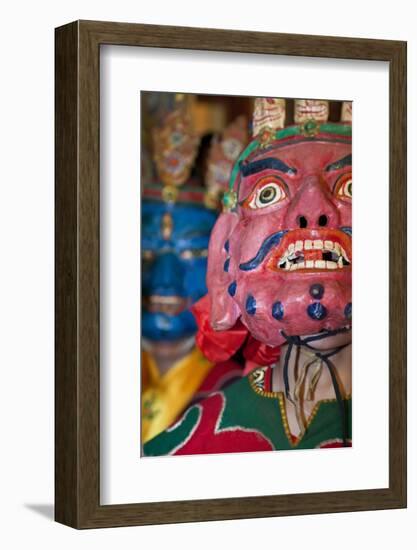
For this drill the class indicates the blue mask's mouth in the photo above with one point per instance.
(170, 305)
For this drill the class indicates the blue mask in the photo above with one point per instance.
(175, 239)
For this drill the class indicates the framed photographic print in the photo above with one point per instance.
(209, 250)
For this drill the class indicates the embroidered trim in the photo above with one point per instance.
(218, 430)
(343, 130)
(256, 382)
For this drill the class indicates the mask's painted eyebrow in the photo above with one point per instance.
(341, 163)
(273, 163)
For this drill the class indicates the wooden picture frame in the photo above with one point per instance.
(77, 372)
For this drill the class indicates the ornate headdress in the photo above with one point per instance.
(311, 117)
(175, 146)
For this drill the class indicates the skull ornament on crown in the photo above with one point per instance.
(280, 254)
(310, 109)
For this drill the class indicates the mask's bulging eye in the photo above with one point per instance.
(267, 194)
(343, 187)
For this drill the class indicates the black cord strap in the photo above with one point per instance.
(325, 357)
(286, 363)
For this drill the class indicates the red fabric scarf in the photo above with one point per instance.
(222, 345)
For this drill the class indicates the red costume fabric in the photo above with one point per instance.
(222, 345)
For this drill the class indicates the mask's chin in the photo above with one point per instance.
(275, 335)
(295, 306)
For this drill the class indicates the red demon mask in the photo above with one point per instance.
(280, 257)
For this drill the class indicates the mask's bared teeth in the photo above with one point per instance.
(343, 252)
(321, 255)
(282, 262)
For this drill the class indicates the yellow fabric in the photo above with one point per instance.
(164, 397)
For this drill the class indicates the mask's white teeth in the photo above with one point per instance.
(282, 260)
(290, 260)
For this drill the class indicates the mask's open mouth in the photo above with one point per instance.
(171, 305)
(313, 250)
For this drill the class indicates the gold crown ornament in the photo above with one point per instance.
(175, 145)
(224, 151)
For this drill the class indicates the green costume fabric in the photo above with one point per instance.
(247, 417)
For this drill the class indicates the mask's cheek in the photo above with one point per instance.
(256, 296)
(345, 212)
(224, 311)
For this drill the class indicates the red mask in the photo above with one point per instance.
(280, 260)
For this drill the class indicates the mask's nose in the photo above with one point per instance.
(166, 276)
(312, 207)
